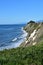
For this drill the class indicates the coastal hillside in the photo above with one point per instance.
(35, 33)
(32, 55)
(30, 52)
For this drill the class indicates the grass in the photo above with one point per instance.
(32, 55)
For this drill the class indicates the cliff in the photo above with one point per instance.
(35, 33)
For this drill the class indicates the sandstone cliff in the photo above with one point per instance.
(35, 33)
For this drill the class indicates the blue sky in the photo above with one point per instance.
(20, 11)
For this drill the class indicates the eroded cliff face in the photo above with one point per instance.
(35, 33)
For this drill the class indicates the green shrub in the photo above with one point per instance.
(32, 55)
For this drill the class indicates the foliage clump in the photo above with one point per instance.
(32, 55)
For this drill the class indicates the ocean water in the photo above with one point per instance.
(11, 36)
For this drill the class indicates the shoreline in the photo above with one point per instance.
(25, 33)
(15, 45)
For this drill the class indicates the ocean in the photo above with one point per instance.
(11, 36)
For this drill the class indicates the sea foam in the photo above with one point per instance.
(16, 44)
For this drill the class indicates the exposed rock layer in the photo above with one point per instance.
(35, 33)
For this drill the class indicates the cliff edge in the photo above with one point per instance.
(35, 33)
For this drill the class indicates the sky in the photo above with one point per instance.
(20, 11)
